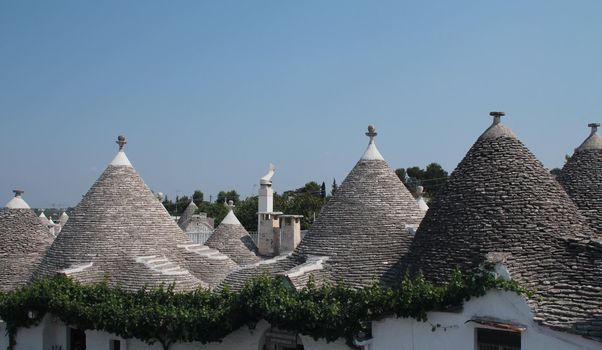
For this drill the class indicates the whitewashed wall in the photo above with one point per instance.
(408, 334)
(388, 334)
(3, 337)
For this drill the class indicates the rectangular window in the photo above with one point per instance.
(115, 345)
(492, 339)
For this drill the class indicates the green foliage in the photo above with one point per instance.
(224, 196)
(197, 197)
(306, 201)
(165, 316)
(246, 212)
(432, 178)
(334, 187)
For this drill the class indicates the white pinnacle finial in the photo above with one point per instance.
(372, 152)
(420, 200)
(230, 219)
(420, 190)
(121, 159)
(17, 202)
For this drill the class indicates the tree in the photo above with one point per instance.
(197, 197)
(401, 174)
(334, 187)
(323, 190)
(246, 212)
(306, 201)
(231, 195)
(432, 179)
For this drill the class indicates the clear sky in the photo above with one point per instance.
(209, 93)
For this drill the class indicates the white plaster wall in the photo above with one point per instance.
(408, 334)
(101, 340)
(242, 339)
(55, 333)
(310, 344)
(3, 336)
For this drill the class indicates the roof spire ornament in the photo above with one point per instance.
(230, 205)
(372, 152)
(497, 116)
(594, 127)
(121, 142)
(121, 159)
(371, 133)
(17, 202)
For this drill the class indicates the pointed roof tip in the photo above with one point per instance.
(372, 152)
(593, 141)
(497, 129)
(231, 218)
(121, 159)
(17, 202)
(420, 200)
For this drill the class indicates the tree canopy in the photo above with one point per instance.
(432, 179)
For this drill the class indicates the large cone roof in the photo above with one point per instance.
(23, 242)
(121, 231)
(500, 205)
(581, 177)
(362, 230)
(231, 239)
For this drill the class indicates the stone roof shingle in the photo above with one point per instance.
(581, 178)
(23, 242)
(501, 201)
(121, 232)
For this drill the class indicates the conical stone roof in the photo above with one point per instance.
(120, 231)
(187, 214)
(501, 206)
(581, 177)
(361, 233)
(363, 227)
(231, 239)
(23, 242)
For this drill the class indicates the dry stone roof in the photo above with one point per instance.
(187, 214)
(231, 239)
(500, 205)
(122, 232)
(23, 242)
(362, 230)
(581, 177)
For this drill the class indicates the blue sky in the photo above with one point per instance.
(208, 93)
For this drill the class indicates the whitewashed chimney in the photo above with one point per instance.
(290, 232)
(268, 226)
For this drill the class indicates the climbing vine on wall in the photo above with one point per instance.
(165, 316)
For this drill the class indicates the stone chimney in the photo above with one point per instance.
(268, 240)
(290, 232)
